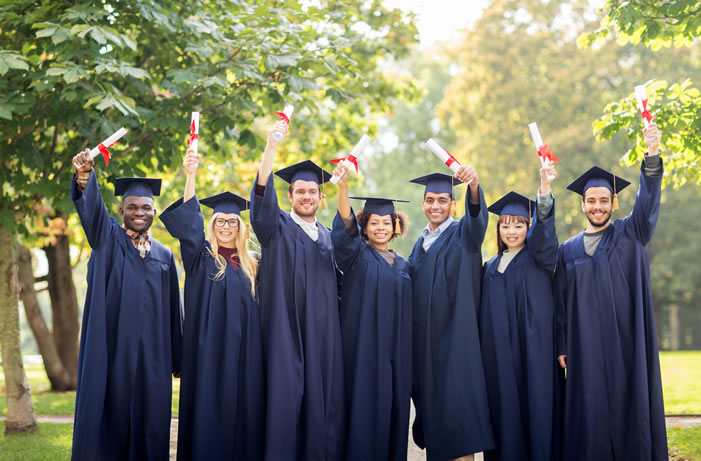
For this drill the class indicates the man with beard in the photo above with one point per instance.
(130, 341)
(606, 329)
(306, 417)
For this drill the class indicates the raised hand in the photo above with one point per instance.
(82, 162)
(548, 173)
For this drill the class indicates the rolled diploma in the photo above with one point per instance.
(362, 144)
(443, 155)
(195, 142)
(109, 141)
(538, 141)
(289, 108)
(641, 95)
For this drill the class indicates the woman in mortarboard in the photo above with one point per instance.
(517, 327)
(376, 313)
(222, 388)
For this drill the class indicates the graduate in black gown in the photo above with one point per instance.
(306, 416)
(131, 334)
(222, 392)
(606, 327)
(517, 327)
(449, 390)
(375, 326)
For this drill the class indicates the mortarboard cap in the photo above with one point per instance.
(138, 187)
(226, 202)
(378, 205)
(306, 171)
(437, 183)
(598, 177)
(513, 204)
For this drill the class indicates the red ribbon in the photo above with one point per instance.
(544, 151)
(646, 112)
(193, 135)
(283, 116)
(451, 159)
(350, 158)
(105, 153)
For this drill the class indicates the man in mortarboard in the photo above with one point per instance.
(606, 327)
(131, 335)
(306, 415)
(449, 390)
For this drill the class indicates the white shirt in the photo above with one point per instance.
(506, 258)
(309, 228)
(431, 236)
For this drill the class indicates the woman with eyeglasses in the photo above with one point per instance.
(222, 404)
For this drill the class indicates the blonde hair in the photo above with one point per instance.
(249, 265)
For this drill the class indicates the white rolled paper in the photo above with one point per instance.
(347, 162)
(289, 109)
(450, 161)
(108, 142)
(538, 141)
(641, 95)
(195, 142)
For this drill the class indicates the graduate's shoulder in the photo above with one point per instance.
(159, 252)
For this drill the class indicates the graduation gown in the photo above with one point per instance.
(222, 407)
(130, 342)
(450, 395)
(305, 416)
(517, 334)
(376, 331)
(606, 327)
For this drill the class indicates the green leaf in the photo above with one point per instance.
(5, 113)
(272, 61)
(49, 31)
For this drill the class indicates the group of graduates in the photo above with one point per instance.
(314, 349)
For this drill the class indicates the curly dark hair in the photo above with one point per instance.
(364, 217)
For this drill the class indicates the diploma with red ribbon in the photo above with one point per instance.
(109, 142)
(352, 159)
(445, 156)
(641, 96)
(285, 116)
(543, 150)
(194, 139)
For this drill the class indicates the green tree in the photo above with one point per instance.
(75, 72)
(677, 106)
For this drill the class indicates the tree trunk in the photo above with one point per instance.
(58, 375)
(674, 333)
(20, 411)
(64, 305)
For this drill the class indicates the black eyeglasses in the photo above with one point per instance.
(221, 222)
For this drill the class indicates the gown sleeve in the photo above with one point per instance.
(176, 319)
(640, 223)
(542, 241)
(346, 248)
(92, 212)
(473, 225)
(184, 222)
(560, 287)
(265, 212)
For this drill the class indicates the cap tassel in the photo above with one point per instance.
(614, 202)
(397, 226)
(453, 208)
(324, 205)
(247, 234)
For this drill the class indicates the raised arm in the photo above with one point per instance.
(345, 234)
(266, 165)
(542, 239)
(88, 202)
(473, 225)
(190, 163)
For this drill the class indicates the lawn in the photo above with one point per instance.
(684, 444)
(51, 443)
(681, 382)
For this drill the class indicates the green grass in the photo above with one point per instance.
(57, 403)
(684, 444)
(681, 382)
(51, 443)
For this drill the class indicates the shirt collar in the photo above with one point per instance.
(439, 230)
(134, 235)
(301, 221)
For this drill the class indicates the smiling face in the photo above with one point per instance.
(226, 229)
(512, 231)
(137, 213)
(437, 207)
(304, 197)
(379, 230)
(597, 205)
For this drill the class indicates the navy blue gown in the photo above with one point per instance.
(376, 330)
(222, 406)
(517, 333)
(606, 327)
(305, 416)
(450, 395)
(130, 342)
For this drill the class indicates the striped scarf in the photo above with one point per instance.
(142, 242)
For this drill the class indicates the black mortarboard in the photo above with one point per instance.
(226, 202)
(138, 187)
(379, 205)
(513, 204)
(437, 183)
(306, 171)
(598, 177)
